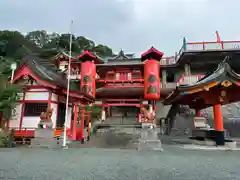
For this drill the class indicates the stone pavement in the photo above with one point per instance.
(173, 163)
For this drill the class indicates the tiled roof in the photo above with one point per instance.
(47, 71)
(223, 73)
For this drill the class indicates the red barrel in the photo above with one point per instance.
(88, 78)
(151, 80)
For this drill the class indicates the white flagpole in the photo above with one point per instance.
(68, 87)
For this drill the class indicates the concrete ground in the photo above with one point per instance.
(109, 156)
(173, 163)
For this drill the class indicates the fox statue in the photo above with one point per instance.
(46, 116)
(149, 117)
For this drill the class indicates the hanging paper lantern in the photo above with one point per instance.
(151, 80)
(88, 78)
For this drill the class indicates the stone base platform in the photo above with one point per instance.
(149, 139)
(211, 145)
(209, 148)
(44, 138)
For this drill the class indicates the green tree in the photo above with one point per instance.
(64, 42)
(103, 51)
(39, 37)
(53, 41)
(95, 111)
(84, 43)
(14, 44)
(8, 92)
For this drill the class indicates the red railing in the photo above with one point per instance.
(189, 79)
(205, 46)
(189, 46)
(201, 46)
(168, 60)
(28, 132)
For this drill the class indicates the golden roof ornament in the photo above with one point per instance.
(226, 83)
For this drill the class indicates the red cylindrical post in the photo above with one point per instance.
(82, 125)
(218, 122)
(74, 125)
(88, 78)
(197, 113)
(151, 80)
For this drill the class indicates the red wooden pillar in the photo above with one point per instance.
(218, 122)
(89, 125)
(74, 126)
(197, 112)
(82, 125)
(22, 113)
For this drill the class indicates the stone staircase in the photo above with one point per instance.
(121, 120)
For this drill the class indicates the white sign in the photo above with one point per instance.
(16, 112)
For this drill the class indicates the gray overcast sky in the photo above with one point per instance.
(133, 25)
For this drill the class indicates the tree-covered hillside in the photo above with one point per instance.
(15, 45)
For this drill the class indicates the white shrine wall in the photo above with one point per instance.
(35, 96)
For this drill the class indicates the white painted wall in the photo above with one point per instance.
(20, 96)
(69, 117)
(42, 89)
(30, 122)
(54, 114)
(36, 95)
(54, 97)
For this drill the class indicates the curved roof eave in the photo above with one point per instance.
(222, 73)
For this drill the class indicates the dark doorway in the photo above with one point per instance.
(170, 78)
(61, 115)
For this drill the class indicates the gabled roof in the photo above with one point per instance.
(63, 54)
(87, 55)
(121, 55)
(44, 69)
(46, 73)
(74, 56)
(223, 75)
(152, 53)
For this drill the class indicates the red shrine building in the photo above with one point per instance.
(123, 83)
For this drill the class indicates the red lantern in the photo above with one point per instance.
(88, 78)
(151, 80)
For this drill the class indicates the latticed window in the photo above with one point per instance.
(136, 75)
(110, 76)
(34, 109)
